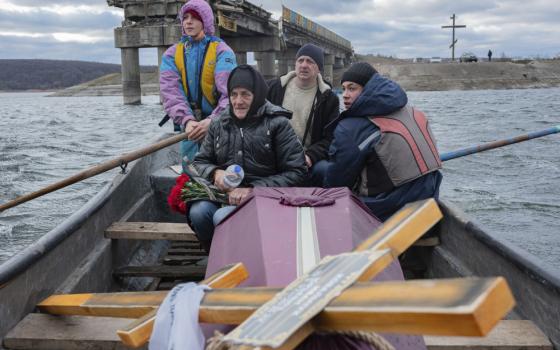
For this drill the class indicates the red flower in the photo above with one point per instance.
(174, 199)
(187, 190)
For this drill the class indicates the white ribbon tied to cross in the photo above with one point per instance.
(176, 325)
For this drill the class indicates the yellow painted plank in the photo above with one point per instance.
(405, 227)
(138, 332)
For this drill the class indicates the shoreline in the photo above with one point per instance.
(451, 76)
(28, 91)
(150, 90)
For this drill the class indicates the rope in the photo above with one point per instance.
(217, 342)
(371, 338)
(378, 342)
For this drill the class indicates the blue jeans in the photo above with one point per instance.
(204, 216)
(316, 176)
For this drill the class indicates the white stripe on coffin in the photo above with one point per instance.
(308, 253)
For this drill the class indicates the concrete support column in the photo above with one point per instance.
(160, 51)
(286, 61)
(338, 62)
(290, 55)
(266, 65)
(284, 64)
(130, 68)
(328, 68)
(241, 57)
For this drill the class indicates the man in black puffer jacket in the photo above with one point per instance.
(314, 105)
(254, 134)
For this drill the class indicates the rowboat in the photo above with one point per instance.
(120, 238)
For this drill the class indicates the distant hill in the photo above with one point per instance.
(24, 74)
(468, 76)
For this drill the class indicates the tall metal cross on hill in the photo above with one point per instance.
(453, 40)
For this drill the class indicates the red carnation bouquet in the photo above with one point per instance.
(189, 189)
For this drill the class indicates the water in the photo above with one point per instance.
(512, 192)
(45, 139)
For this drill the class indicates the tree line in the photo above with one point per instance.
(30, 74)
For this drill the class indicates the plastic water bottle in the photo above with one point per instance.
(234, 175)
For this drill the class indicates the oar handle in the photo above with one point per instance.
(98, 169)
(500, 143)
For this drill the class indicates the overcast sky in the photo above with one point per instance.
(83, 29)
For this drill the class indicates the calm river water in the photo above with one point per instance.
(512, 192)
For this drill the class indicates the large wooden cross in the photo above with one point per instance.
(335, 295)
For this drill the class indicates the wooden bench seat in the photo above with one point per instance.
(508, 335)
(41, 331)
(427, 242)
(151, 230)
(187, 273)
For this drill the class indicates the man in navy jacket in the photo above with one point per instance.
(383, 148)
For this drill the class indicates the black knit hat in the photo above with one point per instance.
(359, 73)
(247, 77)
(315, 52)
(243, 77)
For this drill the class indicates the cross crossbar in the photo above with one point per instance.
(460, 306)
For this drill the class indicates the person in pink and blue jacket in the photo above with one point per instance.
(194, 74)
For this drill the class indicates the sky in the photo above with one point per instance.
(83, 29)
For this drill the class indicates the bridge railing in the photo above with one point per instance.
(294, 18)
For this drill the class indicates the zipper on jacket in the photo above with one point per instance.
(242, 147)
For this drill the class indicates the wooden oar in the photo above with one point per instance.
(98, 169)
(500, 143)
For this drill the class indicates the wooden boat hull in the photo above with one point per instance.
(467, 250)
(75, 257)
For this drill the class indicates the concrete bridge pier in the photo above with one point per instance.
(130, 68)
(283, 64)
(241, 57)
(328, 68)
(266, 64)
(160, 51)
(288, 59)
(338, 62)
